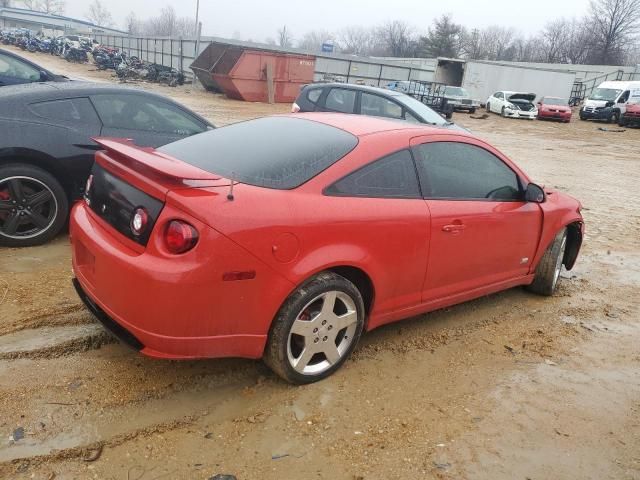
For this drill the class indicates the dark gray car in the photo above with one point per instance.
(364, 100)
(46, 151)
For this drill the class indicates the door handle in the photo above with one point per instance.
(453, 228)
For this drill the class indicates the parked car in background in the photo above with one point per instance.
(46, 150)
(15, 70)
(608, 101)
(303, 231)
(363, 100)
(554, 108)
(405, 86)
(513, 104)
(460, 99)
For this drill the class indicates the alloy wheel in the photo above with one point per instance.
(322, 333)
(28, 207)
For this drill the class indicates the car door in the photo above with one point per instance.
(14, 72)
(497, 102)
(149, 121)
(384, 198)
(482, 231)
(338, 99)
(71, 122)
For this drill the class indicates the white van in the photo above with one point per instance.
(607, 102)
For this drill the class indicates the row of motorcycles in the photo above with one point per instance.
(132, 68)
(74, 48)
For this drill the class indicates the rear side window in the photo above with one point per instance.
(313, 95)
(393, 176)
(273, 152)
(140, 112)
(74, 110)
(341, 100)
(451, 170)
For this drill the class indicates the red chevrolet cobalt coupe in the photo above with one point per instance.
(284, 238)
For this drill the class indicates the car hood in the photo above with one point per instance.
(530, 97)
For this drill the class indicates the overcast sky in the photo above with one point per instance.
(258, 19)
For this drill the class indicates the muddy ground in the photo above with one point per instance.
(510, 386)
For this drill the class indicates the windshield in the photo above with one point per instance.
(456, 92)
(555, 101)
(428, 115)
(607, 94)
(272, 152)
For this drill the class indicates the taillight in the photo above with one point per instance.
(180, 237)
(139, 221)
(295, 108)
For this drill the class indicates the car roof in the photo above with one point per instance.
(44, 91)
(352, 86)
(361, 125)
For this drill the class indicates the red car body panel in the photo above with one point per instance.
(552, 111)
(632, 114)
(410, 249)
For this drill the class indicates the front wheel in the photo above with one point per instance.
(621, 121)
(488, 107)
(33, 206)
(548, 271)
(316, 329)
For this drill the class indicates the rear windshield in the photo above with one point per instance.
(274, 152)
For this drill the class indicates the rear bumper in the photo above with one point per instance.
(178, 308)
(631, 119)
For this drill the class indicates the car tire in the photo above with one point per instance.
(472, 111)
(37, 196)
(334, 309)
(488, 108)
(547, 273)
(502, 112)
(615, 117)
(621, 121)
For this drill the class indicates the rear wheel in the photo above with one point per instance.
(548, 271)
(33, 206)
(316, 329)
(489, 107)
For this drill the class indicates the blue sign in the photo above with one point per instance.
(327, 47)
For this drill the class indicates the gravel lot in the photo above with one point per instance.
(510, 386)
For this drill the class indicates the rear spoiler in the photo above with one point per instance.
(149, 161)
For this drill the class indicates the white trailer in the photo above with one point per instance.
(481, 79)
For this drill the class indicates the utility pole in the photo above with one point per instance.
(197, 14)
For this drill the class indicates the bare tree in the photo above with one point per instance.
(285, 39)
(553, 41)
(132, 24)
(98, 14)
(168, 24)
(616, 25)
(398, 38)
(31, 4)
(312, 41)
(55, 7)
(356, 40)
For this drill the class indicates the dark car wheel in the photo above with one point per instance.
(33, 206)
(488, 107)
(621, 121)
(472, 111)
(548, 271)
(316, 329)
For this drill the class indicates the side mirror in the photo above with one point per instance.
(44, 76)
(535, 194)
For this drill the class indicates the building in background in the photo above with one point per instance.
(50, 24)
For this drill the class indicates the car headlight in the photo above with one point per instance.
(510, 106)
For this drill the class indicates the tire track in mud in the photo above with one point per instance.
(75, 314)
(417, 335)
